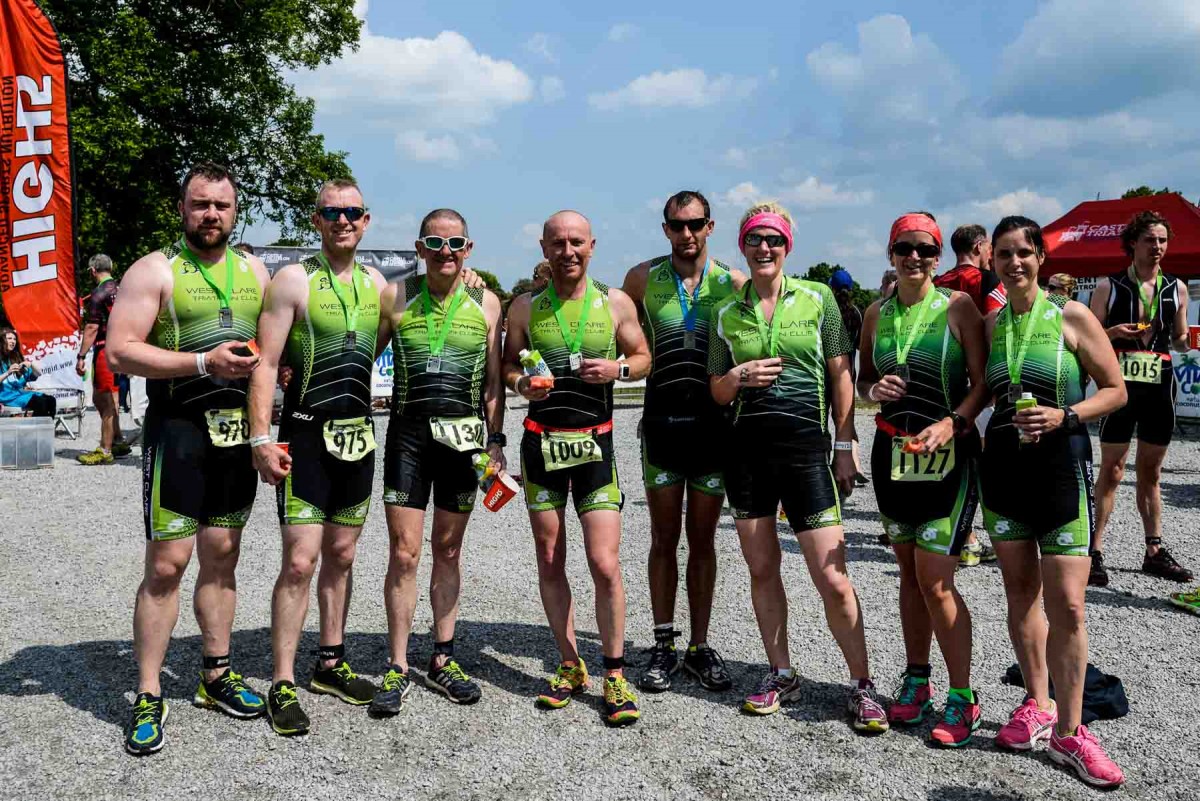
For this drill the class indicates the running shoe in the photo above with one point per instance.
(986, 553)
(229, 694)
(663, 663)
(1187, 601)
(1163, 565)
(120, 449)
(1097, 576)
(959, 722)
(869, 715)
(708, 667)
(1084, 753)
(283, 709)
(914, 700)
(390, 697)
(96, 457)
(771, 692)
(969, 555)
(620, 704)
(567, 681)
(885, 540)
(1027, 725)
(145, 733)
(453, 682)
(343, 682)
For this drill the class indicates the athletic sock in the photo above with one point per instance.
(966, 694)
(696, 646)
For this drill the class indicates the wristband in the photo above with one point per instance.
(261, 439)
(843, 446)
(201, 367)
(871, 392)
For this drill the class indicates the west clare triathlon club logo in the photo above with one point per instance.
(323, 284)
(189, 268)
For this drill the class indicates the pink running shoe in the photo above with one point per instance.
(913, 702)
(1027, 725)
(1084, 753)
(869, 715)
(772, 691)
(958, 724)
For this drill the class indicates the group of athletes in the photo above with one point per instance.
(744, 372)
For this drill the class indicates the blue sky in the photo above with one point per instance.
(849, 113)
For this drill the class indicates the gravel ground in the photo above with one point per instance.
(71, 565)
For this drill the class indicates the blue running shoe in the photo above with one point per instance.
(229, 694)
(145, 733)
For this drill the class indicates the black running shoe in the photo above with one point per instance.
(145, 732)
(1097, 576)
(453, 682)
(390, 697)
(283, 709)
(1163, 565)
(708, 667)
(342, 682)
(229, 694)
(664, 661)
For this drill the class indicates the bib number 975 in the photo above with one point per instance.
(349, 440)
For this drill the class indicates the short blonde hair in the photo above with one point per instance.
(767, 206)
(1068, 283)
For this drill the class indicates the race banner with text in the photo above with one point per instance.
(37, 236)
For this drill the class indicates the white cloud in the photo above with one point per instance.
(689, 88)
(741, 195)
(420, 146)
(857, 245)
(622, 31)
(1090, 56)
(539, 45)
(1041, 208)
(391, 230)
(812, 194)
(529, 235)
(735, 157)
(552, 89)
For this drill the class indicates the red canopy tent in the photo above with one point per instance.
(1086, 241)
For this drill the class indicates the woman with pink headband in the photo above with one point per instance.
(922, 356)
(780, 355)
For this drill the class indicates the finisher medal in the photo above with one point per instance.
(576, 362)
(903, 373)
(434, 365)
(225, 317)
(351, 340)
(689, 339)
(1014, 392)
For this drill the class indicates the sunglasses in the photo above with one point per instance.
(905, 249)
(455, 243)
(1059, 287)
(332, 213)
(695, 226)
(772, 240)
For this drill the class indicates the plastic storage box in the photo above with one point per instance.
(26, 442)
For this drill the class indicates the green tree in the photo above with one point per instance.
(1145, 191)
(493, 283)
(823, 271)
(156, 85)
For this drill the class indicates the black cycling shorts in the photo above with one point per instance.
(673, 454)
(758, 480)
(414, 462)
(1150, 409)
(323, 487)
(189, 482)
(593, 486)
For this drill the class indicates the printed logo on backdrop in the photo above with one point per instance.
(1085, 230)
(1187, 373)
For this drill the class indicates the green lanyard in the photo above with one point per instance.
(1017, 361)
(1146, 305)
(574, 344)
(769, 335)
(437, 336)
(351, 313)
(222, 295)
(898, 317)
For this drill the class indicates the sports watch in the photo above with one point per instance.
(960, 423)
(498, 438)
(622, 371)
(1070, 420)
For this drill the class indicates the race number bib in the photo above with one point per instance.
(562, 449)
(349, 440)
(458, 433)
(228, 427)
(1141, 367)
(921, 466)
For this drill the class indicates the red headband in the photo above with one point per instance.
(914, 222)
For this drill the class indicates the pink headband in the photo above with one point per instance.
(767, 219)
(914, 222)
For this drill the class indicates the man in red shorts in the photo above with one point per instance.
(104, 383)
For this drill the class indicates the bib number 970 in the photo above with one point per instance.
(569, 449)
(1140, 367)
(931, 466)
(228, 427)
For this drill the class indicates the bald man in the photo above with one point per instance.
(579, 326)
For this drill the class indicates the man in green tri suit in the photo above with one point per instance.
(445, 335)
(182, 320)
(325, 312)
(578, 325)
(682, 433)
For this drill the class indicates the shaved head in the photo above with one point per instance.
(567, 244)
(565, 217)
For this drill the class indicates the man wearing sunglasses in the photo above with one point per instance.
(324, 313)
(682, 434)
(579, 325)
(445, 336)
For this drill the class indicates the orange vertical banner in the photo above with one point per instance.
(37, 222)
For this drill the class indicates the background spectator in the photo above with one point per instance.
(15, 373)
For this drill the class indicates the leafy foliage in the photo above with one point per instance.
(1145, 191)
(821, 273)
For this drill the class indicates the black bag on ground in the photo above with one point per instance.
(1103, 695)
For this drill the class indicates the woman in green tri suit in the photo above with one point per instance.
(922, 358)
(1036, 480)
(778, 351)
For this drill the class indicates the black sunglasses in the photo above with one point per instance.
(905, 249)
(455, 243)
(772, 240)
(695, 226)
(332, 213)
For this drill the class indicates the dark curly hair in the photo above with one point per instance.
(1142, 222)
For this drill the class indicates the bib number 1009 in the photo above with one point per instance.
(568, 450)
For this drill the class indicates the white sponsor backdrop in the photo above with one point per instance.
(381, 375)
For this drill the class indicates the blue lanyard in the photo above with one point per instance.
(689, 312)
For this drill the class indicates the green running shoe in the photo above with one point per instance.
(1187, 601)
(96, 457)
(620, 704)
(284, 712)
(145, 733)
(229, 694)
(342, 682)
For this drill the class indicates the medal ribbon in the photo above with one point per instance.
(770, 336)
(437, 336)
(222, 295)
(574, 344)
(1017, 360)
(900, 317)
(1146, 305)
(351, 313)
(689, 311)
